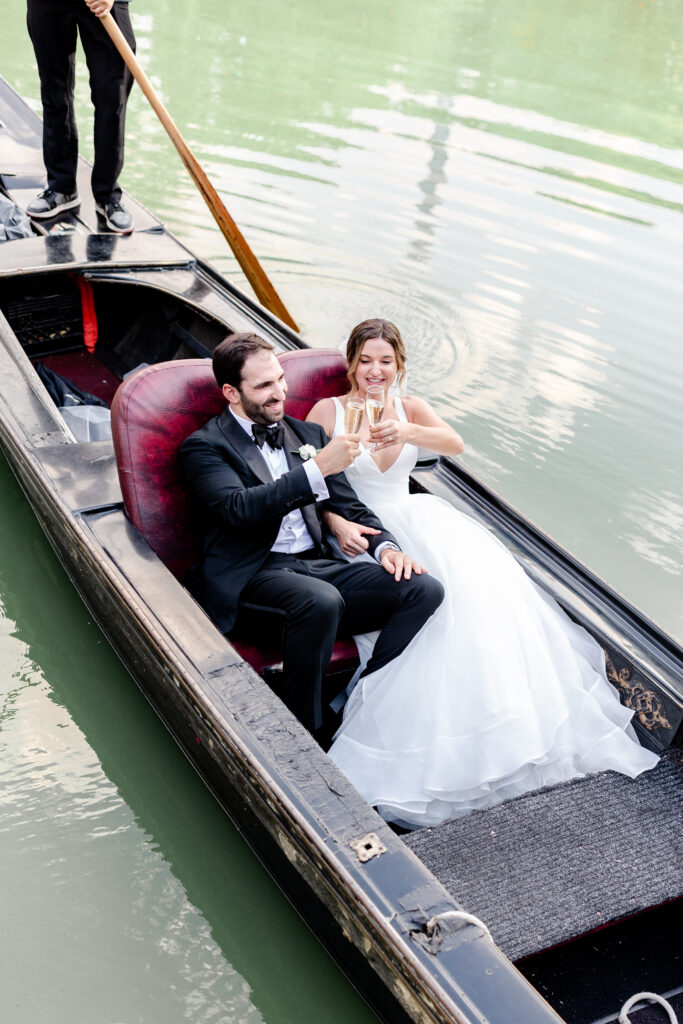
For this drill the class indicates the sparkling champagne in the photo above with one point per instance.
(374, 411)
(353, 414)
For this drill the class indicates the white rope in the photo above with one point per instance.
(641, 997)
(463, 918)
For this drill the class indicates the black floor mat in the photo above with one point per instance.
(552, 864)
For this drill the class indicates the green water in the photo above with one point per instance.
(506, 183)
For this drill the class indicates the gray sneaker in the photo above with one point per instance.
(116, 217)
(49, 203)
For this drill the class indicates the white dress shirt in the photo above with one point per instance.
(293, 535)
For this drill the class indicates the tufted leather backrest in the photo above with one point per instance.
(158, 407)
(312, 374)
(152, 414)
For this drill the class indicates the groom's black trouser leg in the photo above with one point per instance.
(375, 600)
(312, 613)
(319, 595)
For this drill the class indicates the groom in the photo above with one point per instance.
(260, 494)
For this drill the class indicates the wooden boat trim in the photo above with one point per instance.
(199, 286)
(70, 252)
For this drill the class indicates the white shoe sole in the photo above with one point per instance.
(110, 225)
(57, 210)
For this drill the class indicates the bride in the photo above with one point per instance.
(500, 692)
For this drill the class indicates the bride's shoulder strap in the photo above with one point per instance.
(398, 405)
(338, 416)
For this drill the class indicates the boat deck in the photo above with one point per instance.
(547, 866)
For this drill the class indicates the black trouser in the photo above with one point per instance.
(318, 597)
(53, 26)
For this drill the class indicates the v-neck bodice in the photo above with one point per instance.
(373, 485)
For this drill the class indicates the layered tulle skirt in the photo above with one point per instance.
(500, 692)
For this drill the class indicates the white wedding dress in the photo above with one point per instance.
(498, 694)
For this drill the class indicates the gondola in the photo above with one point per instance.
(452, 924)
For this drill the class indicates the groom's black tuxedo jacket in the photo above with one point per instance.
(242, 507)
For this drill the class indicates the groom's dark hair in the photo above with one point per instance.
(231, 354)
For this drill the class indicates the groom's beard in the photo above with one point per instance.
(269, 412)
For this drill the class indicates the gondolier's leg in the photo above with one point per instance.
(110, 85)
(52, 28)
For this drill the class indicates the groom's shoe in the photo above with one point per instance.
(398, 829)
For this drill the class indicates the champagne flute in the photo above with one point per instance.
(353, 414)
(374, 403)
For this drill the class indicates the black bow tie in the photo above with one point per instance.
(275, 435)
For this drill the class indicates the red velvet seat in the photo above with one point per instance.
(312, 374)
(152, 414)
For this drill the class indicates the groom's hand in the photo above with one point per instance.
(338, 454)
(400, 564)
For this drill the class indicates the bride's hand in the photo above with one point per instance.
(350, 536)
(399, 564)
(388, 433)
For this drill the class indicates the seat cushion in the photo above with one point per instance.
(262, 655)
(152, 414)
(158, 407)
(312, 374)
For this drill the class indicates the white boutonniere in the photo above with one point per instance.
(306, 451)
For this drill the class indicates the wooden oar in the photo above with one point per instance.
(253, 270)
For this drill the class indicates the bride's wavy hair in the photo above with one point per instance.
(367, 330)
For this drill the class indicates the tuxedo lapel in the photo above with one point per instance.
(239, 440)
(244, 445)
(292, 443)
